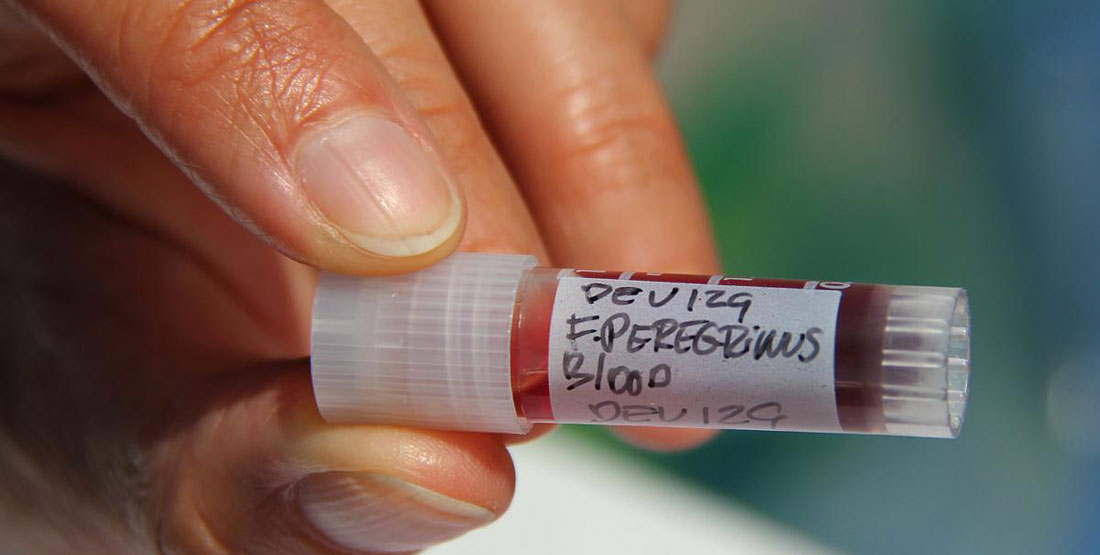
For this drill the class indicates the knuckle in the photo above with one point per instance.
(604, 123)
(618, 137)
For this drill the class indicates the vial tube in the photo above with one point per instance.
(490, 342)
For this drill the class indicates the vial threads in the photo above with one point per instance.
(437, 348)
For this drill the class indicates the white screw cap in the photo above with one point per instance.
(427, 349)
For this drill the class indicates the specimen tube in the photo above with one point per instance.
(491, 342)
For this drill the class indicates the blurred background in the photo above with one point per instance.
(935, 143)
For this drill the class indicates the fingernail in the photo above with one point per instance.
(367, 511)
(378, 186)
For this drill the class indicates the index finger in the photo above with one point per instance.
(566, 91)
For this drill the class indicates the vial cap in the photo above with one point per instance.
(926, 361)
(427, 349)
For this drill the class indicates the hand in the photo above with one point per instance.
(155, 391)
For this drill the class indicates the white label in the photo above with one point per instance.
(693, 355)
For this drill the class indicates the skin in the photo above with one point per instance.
(155, 390)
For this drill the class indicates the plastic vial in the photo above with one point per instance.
(490, 342)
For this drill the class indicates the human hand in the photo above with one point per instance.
(155, 393)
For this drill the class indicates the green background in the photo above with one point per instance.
(939, 143)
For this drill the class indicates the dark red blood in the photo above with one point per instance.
(861, 321)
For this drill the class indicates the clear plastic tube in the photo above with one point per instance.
(493, 343)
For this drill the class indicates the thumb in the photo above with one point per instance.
(260, 472)
(282, 115)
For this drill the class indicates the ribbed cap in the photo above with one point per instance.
(428, 349)
(926, 361)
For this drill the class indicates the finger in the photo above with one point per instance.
(567, 94)
(664, 439)
(259, 472)
(400, 35)
(649, 19)
(283, 116)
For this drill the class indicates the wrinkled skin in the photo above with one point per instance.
(154, 388)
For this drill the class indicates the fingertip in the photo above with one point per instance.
(387, 489)
(380, 513)
(336, 254)
(665, 439)
(471, 467)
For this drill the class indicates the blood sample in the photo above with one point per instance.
(486, 342)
